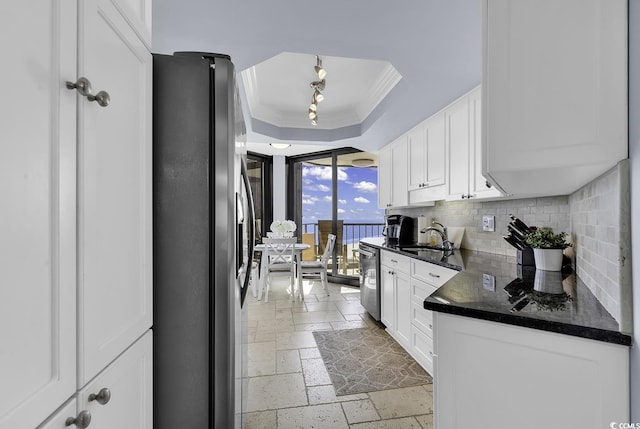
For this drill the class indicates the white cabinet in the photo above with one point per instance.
(37, 185)
(114, 193)
(405, 283)
(392, 175)
(530, 373)
(554, 92)
(465, 179)
(127, 383)
(396, 296)
(427, 160)
(426, 278)
(76, 184)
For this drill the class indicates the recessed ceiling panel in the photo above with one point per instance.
(279, 93)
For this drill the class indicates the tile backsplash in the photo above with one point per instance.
(600, 215)
(597, 217)
(550, 212)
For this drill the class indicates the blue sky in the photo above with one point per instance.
(357, 194)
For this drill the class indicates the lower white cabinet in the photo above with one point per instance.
(498, 376)
(121, 396)
(396, 296)
(405, 283)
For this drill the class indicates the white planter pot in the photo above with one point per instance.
(548, 281)
(548, 259)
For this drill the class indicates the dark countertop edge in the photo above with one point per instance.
(604, 335)
(414, 256)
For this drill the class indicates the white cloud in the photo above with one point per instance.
(323, 173)
(308, 201)
(365, 186)
(327, 198)
(323, 188)
(342, 201)
(340, 211)
(361, 200)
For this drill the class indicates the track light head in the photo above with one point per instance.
(321, 72)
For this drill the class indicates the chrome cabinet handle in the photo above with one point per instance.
(83, 420)
(102, 98)
(434, 275)
(102, 397)
(83, 86)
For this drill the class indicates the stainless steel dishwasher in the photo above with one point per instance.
(369, 275)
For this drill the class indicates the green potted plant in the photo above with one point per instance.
(547, 248)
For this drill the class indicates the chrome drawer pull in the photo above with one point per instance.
(434, 275)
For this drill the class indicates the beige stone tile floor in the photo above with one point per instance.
(288, 385)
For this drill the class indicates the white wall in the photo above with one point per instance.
(634, 154)
(279, 188)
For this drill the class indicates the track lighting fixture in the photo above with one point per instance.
(317, 86)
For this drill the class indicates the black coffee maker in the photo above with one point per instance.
(398, 229)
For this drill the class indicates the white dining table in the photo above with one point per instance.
(297, 251)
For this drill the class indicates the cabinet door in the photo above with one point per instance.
(479, 187)
(436, 150)
(114, 174)
(417, 157)
(399, 178)
(471, 353)
(384, 177)
(458, 143)
(554, 92)
(403, 309)
(38, 189)
(387, 306)
(129, 383)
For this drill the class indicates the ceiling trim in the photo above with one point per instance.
(388, 80)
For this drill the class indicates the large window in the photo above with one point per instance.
(336, 192)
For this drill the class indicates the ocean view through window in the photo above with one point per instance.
(336, 196)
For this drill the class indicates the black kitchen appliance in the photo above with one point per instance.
(370, 279)
(203, 243)
(398, 229)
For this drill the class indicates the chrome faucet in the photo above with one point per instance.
(446, 244)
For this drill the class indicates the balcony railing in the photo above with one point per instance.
(347, 250)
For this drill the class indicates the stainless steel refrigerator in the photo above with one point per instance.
(203, 243)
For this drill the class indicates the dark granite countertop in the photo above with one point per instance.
(495, 288)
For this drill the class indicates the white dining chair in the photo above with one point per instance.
(279, 254)
(319, 268)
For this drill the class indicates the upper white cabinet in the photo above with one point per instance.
(554, 92)
(465, 179)
(392, 175)
(427, 160)
(114, 193)
(38, 227)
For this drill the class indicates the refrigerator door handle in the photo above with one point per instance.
(250, 230)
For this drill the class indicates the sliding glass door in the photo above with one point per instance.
(336, 192)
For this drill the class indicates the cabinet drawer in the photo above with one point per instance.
(431, 273)
(395, 261)
(420, 291)
(422, 319)
(422, 348)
